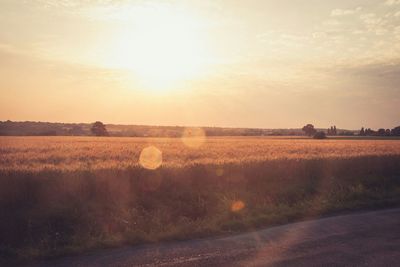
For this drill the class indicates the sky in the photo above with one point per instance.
(254, 63)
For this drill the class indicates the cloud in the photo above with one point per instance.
(370, 18)
(319, 35)
(74, 3)
(392, 2)
(342, 12)
(331, 22)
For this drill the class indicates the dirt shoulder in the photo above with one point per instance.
(368, 238)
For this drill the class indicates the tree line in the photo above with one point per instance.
(30, 128)
(310, 130)
(380, 132)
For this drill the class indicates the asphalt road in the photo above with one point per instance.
(362, 239)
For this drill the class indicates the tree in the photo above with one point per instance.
(99, 129)
(332, 130)
(369, 132)
(76, 130)
(309, 130)
(396, 131)
(381, 132)
(362, 132)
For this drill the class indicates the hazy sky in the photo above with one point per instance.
(254, 63)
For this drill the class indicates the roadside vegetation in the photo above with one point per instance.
(63, 195)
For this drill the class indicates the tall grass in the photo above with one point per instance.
(52, 209)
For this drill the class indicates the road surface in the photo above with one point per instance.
(362, 239)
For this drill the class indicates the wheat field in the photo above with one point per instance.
(61, 195)
(80, 153)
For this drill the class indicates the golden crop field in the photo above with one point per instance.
(68, 194)
(79, 153)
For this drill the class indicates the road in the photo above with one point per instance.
(362, 239)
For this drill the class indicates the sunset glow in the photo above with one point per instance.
(160, 47)
(200, 63)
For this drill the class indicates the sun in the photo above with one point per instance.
(161, 47)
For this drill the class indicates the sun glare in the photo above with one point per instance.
(160, 47)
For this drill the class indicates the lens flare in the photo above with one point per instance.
(150, 158)
(237, 206)
(193, 137)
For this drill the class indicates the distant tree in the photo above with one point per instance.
(381, 132)
(332, 130)
(309, 130)
(99, 129)
(76, 130)
(369, 132)
(319, 135)
(396, 131)
(387, 133)
(362, 132)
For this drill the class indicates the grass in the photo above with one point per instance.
(66, 195)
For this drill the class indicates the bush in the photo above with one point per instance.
(319, 135)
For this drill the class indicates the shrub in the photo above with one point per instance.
(319, 135)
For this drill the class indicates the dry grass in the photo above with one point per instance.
(65, 194)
